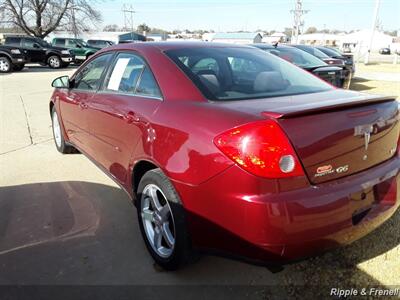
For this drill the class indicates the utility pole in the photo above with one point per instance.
(298, 22)
(128, 16)
(374, 20)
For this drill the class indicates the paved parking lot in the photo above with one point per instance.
(62, 221)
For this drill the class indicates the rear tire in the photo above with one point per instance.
(5, 65)
(58, 135)
(54, 62)
(163, 216)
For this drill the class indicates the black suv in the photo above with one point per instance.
(11, 59)
(39, 51)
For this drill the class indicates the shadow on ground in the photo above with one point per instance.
(357, 84)
(41, 69)
(87, 234)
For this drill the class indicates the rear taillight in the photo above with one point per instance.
(261, 148)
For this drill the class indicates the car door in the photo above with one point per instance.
(34, 50)
(120, 112)
(73, 104)
(78, 50)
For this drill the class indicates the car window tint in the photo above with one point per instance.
(125, 73)
(60, 42)
(29, 43)
(90, 76)
(205, 65)
(147, 85)
(71, 43)
(239, 73)
(13, 41)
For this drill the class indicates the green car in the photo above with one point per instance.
(80, 48)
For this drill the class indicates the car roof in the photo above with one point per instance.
(163, 46)
(269, 46)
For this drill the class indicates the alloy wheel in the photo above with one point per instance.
(4, 65)
(158, 221)
(54, 62)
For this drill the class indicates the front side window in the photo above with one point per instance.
(89, 78)
(239, 73)
(29, 43)
(72, 43)
(130, 75)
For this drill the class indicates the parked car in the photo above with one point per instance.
(334, 53)
(227, 148)
(39, 51)
(306, 61)
(384, 51)
(346, 74)
(100, 43)
(11, 59)
(79, 47)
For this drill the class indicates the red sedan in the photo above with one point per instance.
(230, 149)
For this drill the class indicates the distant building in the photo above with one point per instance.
(131, 37)
(276, 37)
(157, 37)
(237, 37)
(320, 39)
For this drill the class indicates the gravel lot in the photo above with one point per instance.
(63, 222)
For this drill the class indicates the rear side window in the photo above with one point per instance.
(13, 41)
(60, 42)
(130, 75)
(89, 78)
(147, 85)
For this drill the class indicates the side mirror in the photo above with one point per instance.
(78, 46)
(62, 82)
(37, 46)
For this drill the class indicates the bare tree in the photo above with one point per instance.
(41, 17)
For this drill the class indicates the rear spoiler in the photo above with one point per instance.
(326, 106)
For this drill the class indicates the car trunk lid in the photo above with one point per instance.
(344, 141)
(336, 133)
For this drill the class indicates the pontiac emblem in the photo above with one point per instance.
(364, 130)
(367, 137)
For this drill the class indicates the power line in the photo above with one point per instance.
(128, 11)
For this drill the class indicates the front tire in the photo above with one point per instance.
(58, 135)
(162, 221)
(5, 65)
(54, 62)
(18, 67)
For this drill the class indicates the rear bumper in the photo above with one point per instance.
(271, 220)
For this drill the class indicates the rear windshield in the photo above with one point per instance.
(314, 51)
(331, 52)
(299, 57)
(243, 73)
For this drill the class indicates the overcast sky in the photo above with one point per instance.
(231, 15)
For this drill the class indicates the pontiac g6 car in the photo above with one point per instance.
(231, 149)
